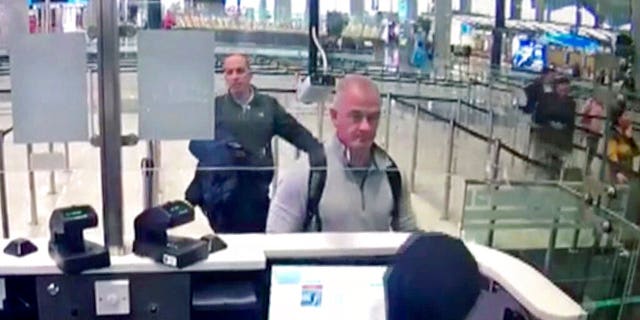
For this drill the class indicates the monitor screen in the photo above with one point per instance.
(327, 292)
(528, 55)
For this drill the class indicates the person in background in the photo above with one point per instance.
(434, 277)
(169, 20)
(246, 122)
(592, 113)
(536, 89)
(363, 188)
(554, 124)
(621, 147)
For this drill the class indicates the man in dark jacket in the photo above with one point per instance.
(554, 121)
(250, 120)
(536, 89)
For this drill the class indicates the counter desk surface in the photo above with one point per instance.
(251, 252)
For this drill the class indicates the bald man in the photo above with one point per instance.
(358, 193)
(246, 122)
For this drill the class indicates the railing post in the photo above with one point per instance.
(52, 174)
(150, 174)
(493, 174)
(414, 154)
(276, 161)
(449, 171)
(553, 235)
(147, 182)
(67, 161)
(631, 274)
(387, 128)
(32, 188)
(3, 191)
(320, 120)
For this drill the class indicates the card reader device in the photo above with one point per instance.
(151, 239)
(67, 246)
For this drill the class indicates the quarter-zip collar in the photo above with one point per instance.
(246, 106)
(379, 159)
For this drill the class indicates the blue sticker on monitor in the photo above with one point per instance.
(311, 296)
(288, 276)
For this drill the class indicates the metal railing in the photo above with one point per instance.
(4, 211)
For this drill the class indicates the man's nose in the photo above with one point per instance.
(364, 125)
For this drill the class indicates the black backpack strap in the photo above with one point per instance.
(395, 182)
(317, 180)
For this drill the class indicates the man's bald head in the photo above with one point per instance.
(356, 111)
(237, 58)
(356, 86)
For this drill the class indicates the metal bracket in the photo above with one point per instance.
(128, 140)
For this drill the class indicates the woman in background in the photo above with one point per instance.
(621, 147)
(592, 113)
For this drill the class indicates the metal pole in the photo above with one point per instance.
(52, 174)
(147, 182)
(387, 127)
(92, 105)
(3, 192)
(491, 111)
(314, 24)
(47, 16)
(552, 244)
(157, 162)
(150, 176)
(414, 157)
(449, 171)
(110, 123)
(631, 274)
(32, 188)
(67, 161)
(493, 172)
(320, 120)
(276, 162)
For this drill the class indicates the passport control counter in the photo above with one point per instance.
(258, 276)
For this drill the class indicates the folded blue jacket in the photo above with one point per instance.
(216, 177)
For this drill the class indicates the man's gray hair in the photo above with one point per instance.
(352, 82)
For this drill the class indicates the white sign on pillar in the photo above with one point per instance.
(49, 88)
(14, 21)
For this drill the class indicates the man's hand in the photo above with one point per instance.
(557, 125)
(628, 132)
(621, 178)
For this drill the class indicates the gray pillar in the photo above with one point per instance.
(515, 10)
(465, 6)
(356, 8)
(578, 14)
(635, 31)
(540, 4)
(442, 35)
(499, 27)
(282, 11)
(262, 10)
(412, 10)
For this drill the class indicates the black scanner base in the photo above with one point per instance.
(178, 252)
(93, 257)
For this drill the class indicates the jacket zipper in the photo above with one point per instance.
(362, 204)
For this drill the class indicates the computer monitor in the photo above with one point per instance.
(327, 292)
(528, 55)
